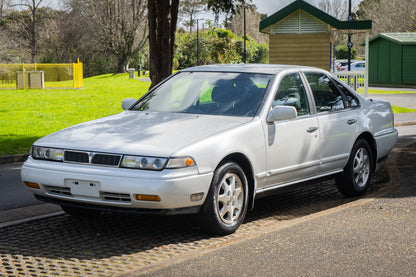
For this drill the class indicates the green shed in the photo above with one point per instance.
(392, 59)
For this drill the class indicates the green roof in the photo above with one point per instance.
(328, 19)
(400, 38)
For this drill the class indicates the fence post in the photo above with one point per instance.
(81, 75)
(23, 77)
(355, 82)
(73, 75)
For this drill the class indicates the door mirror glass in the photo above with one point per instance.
(127, 103)
(280, 113)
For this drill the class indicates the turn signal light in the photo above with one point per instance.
(32, 185)
(146, 197)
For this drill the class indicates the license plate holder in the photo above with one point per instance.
(83, 188)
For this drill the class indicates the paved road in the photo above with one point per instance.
(12, 192)
(402, 100)
(370, 237)
(311, 231)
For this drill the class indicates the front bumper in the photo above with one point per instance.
(115, 188)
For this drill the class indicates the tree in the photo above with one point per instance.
(29, 22)
(4, 7)
(188, 9)
(224, 6)
(162, 18)
(24, 27)
(216, 46)
(252, 23)
(341, 52)
(389, 15)
(119, 25)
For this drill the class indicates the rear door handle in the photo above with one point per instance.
(351, 121)
(311, 129)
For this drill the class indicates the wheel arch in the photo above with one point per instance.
(367, 136)
(245, 164)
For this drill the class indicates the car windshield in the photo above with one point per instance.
(213, 93)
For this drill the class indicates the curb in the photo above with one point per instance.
(13, 158)
(405, 123)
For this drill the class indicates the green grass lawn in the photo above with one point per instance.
(397, 109)
(26, 115)
(383, 91)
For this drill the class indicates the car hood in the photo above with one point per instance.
(141, 133)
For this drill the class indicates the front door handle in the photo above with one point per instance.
(311, 129)
(351, 121)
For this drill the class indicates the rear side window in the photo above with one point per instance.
(326, 95)
(352, 101)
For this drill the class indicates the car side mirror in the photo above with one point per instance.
(127, 103)
(279, 113)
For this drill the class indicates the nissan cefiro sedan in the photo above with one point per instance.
(209, 140)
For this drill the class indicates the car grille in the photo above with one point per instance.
(58, 190)
(91, 158)
(119, 197)
(105, 159)
(106, 196)
(78, 157)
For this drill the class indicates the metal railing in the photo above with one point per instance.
(354, 79)
(63, 75)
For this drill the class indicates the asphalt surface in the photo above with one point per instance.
(13, 193)
(373, 236)
(312, 232)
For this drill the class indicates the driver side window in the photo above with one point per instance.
(326, 95)
(291, 92)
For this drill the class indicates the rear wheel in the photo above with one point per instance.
(226, 204)
(357, 175)
(80, 212)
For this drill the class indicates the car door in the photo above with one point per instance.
(292, 145)
(337, 118)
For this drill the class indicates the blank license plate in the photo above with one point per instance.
(83, 188)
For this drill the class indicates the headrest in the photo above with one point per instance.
(224, 93)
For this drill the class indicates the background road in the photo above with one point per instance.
(12, 192)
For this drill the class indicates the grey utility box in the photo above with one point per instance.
(32, 80)
(131, 73)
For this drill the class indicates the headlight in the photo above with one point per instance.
(180, 162)
(46, 153)
(143, 162)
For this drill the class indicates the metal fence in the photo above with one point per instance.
(20, 76)
(354, 79)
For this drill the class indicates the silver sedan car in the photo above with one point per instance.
(209, 140)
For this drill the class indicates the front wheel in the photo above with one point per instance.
(226, 204)
(356, 177)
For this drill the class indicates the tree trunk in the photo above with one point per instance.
(163, 17)
(122, 65)
(33, 42)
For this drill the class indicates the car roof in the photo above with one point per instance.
(245, 68)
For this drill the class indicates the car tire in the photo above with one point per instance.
(225, 206)
(357, 175)
(80, 212)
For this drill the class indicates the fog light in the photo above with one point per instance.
(197, 196)
(145, 197)
(32, 185)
